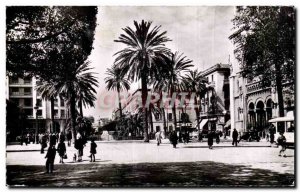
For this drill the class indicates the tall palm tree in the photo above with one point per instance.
(116, 81)
(194, 82)
(170, 80)
(144, 49)
(77, 79)
(48, 92)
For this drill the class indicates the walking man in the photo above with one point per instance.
(173, 139)
(235, 135)
(158, 137)
(210, 139)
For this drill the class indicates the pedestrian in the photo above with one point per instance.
(27, 139)
(79, 144)
(281, 142)
(62, 136)
(93, 150)
(217, 137)
(173, 139)
(158, 137)
(186, 137)
(271, 132)
(50, 156)
(61, 149)
(235, 135)
(210, 139)
(52, 139)
(200, 136)
(69, 137)
(43, 143)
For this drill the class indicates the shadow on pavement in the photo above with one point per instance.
(185, 174)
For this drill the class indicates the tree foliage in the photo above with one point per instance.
(42, 39)
(265, 44)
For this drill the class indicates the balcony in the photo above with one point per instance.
(17, 94)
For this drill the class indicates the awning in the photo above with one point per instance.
(228, 123)
(202, 123)
(281, 119)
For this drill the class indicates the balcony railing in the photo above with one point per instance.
(21, 93)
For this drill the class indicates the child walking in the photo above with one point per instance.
(93, 150)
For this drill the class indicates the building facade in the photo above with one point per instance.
(214, 108)
(37, 110)
(254, 104)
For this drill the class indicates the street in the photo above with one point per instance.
(141, 164)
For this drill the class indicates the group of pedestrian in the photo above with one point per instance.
(61, 149)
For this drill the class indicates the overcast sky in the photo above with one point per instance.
(201, 33)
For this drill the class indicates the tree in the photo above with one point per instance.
(116, 80)
(265, 45)
(144, 50)
(194, 82)
(171, 76)
(77, 79)
(38, 37)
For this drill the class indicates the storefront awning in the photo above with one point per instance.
(228, 123)
(202, 123)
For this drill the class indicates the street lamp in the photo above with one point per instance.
(36, 107)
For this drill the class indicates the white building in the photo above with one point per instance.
(38, 111)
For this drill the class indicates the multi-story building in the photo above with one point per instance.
(38, 111)
(214, 110)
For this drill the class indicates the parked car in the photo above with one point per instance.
(250, 136)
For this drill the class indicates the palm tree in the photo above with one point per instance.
(194, 82)
(77, 79)
(171, 76)
(145, 49)
(48, 92)
(116, 81)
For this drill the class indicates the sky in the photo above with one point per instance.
(201, 33)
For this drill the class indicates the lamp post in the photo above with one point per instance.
(36, 107)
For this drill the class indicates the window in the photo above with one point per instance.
(56, 113)
(39, 102)
(15, 90)
(27, 91)
(62, 102)
(157, 128)
(28, 112)
(14, 80)
(56, 102)
(170, 128)
(62, 113)
(212, 78)
(39, 113)
(27, 80)
(28, 102)
(16, 101)
(170, 116)
(157, 116)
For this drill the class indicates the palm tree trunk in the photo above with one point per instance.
(197, 112)
(164, 121)
(174, 109)
(52, 115)
(73, 115)
(150, 120)
(120, 106)
(80, 107)
(145, 111)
